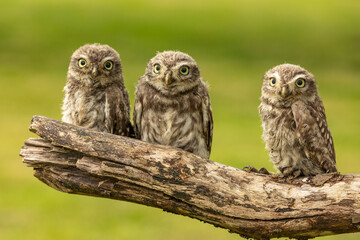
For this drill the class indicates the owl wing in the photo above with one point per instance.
(137, 114)
(314, 135)
(129, 126)
(207, 121)
(117, 109)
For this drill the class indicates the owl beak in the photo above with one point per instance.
(168, 79)
(284, 92)
(94, 72)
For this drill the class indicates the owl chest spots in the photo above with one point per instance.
(279, 130)
(89, 109)
(171, 127)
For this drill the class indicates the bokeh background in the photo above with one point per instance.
(234, 43)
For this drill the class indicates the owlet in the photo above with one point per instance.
(95, 95)
(172, 105)
(294, 123)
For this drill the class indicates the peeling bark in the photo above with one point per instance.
(81, 161)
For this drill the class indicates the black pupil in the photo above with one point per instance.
(108, 65)
(300, 82)
(273, 81)
(82, 62)
(157, 68)
(183, 70)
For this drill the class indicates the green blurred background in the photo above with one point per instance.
(234, 43)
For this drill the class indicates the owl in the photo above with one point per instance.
(172, 104)
(95, 95)
(294, 124)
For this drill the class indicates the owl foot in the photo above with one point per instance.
(280, 178)
(250, 169)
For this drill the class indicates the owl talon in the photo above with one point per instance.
(251, 169)
(264, 171)
(277, 176)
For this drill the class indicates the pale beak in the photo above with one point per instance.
(285, 92)
(94, 72)
(168, 80)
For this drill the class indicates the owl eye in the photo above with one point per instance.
(157, 68)
(82, 62)
(108, 65)
(184, 70)
(300, 82)
(272, 81)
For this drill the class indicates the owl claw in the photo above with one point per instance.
(264, 171)
(251, 169)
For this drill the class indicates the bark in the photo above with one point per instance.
(81, 161)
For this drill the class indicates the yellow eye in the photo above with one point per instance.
(157, 68)
(272, 81)
(184, 70)
(300, 82)
(108, 65)
(82, 62)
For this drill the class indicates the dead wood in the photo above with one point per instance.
(81, 161)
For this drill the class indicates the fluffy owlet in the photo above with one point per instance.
(294, 123)
(172, 105)
(95, 95)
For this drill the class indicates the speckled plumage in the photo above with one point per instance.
(294, 124)
(172, 108)
(95, 97)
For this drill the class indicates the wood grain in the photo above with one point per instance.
(82, 161)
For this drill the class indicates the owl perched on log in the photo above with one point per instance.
(294, 123)
(95, 95)
(172, 105)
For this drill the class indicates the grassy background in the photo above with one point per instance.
(234, 43)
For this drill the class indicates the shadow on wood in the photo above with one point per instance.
(82, 161)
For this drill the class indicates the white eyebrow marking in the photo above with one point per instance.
(275, 75)
(108, 58)
(83, 56)
(301, 75)
(182, 63)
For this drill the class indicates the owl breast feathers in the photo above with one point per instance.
(172, 105)
(95, 95)
(294, 124)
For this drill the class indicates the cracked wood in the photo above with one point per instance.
(82, 161)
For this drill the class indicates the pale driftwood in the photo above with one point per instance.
(81, 161)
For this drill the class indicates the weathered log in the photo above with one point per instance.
(82, 161)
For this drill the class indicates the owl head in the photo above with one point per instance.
(94, 65)
(172, 73)
(287, 83)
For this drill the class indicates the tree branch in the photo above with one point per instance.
(82, 161)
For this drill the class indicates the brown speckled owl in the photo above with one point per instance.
(95, 95)
(172, 105)
(294, 123)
